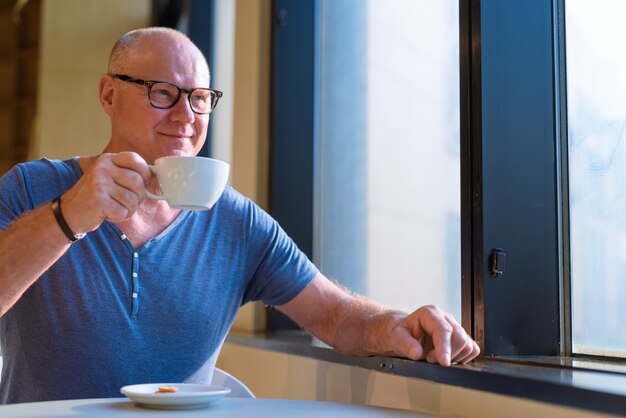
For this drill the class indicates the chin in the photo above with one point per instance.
(178, 153)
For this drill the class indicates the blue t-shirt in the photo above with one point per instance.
(107, 315)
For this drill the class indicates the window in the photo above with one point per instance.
(536, 153)
(517, 174)
(596, 89)
(387, 198)
(381, 224)
(507, 152)
(365, 144)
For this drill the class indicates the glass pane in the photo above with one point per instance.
(596, 88)
(388, 180)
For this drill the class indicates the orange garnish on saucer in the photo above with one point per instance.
(167, 389)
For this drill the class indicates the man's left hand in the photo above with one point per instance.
(433, 335)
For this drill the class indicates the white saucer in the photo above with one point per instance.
(189, 395)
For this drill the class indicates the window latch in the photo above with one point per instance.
(497, 262)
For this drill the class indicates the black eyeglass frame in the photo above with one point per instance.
(217, 95)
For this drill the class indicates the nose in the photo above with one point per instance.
(181, 111)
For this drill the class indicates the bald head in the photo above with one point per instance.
(130, 44)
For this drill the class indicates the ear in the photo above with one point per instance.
(106, 90)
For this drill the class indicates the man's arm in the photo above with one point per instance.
(358, 326)
(110, 190)
(28, 247)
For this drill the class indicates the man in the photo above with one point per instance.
(149, 293)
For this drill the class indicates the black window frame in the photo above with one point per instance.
(292, 127)
(512, 113)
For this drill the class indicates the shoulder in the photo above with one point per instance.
(234, 200)
(40, 180)
(47, 168)
(235, 207)
(232, 196)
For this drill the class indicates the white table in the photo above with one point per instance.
(224, 408)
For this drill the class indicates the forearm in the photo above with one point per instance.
(28, 247)
(364, 328)
(350, 324)
(358, 326)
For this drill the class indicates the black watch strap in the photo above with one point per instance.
(56, 209)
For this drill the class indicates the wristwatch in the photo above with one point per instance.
(56, 209)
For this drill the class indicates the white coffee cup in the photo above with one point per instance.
(190, 183)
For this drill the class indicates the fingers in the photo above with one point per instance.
(463, 347)
(130, 182)
(441, 331)
(134, 163)
(407, 345)
(111, 188)
(470, 352)
(129, 174)
(443, 340)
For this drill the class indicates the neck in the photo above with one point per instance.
(151, 218)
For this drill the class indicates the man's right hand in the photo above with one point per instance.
(110, 189)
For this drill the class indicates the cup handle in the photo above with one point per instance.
(150, 194)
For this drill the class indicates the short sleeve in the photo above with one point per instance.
(281, 269)
(28, 185)
(14, 198)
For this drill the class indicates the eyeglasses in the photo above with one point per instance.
(164, 95)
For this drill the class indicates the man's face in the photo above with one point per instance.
(152, 132)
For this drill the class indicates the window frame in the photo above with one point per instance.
(292, 127)
(510, 55)
(202, 34)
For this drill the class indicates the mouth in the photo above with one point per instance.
(176, 135)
